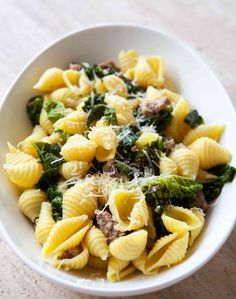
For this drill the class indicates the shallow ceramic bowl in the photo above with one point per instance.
(193, 79)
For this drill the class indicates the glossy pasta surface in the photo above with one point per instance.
(119, 169)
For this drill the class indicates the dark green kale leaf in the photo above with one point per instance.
(193, 119)
(132, 87)
(94, 70)
(49, 156)
(55, 111)
(92, 100)
(225, 175)
(110, 116)
(125, 170)
(96, 113)
(55, 197)
(158, 121)
(33, 109)
(127, 137)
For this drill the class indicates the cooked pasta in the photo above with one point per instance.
(45, 223)
(117, 269)
(23, 169)
(79, 148)
(30, 203)
(96, 243)
(187, 162)
(210, 153)
(129, 247)
(79, 200)
(129, 209)
(119, 169)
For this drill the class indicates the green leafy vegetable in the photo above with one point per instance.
(92, 100)
(100, 110)
(55, 197)
(96, 113)
(132, 87)
(94, 70)
(193, 119)
(127, 138)
(110, 116)
(33, 109)
(158, 121)
(225, 175)
(49, 155)
(55, 111)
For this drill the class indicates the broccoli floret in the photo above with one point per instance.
(110, 116)
(33, 109)
(55, 197)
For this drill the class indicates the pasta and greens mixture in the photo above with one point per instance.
(118, 171)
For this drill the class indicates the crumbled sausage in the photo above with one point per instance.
(75, 66)
(170, 145)
(70, 253)
(108, 64)
(153, 107)
(108, 167)
(106, 224)
(200, 201)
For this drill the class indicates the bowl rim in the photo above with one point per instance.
(92, 290)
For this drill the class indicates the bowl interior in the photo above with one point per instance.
(193, 79)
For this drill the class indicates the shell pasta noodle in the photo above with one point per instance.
(119, 169)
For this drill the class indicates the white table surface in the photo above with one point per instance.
(208, 26)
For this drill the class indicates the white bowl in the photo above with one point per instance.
(193, 79)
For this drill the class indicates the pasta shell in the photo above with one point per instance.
(127, 59)
(96, 243)
(140, 264)
(177, 127)
(146, 138)
(210, 153)
(23, 169)
(61, 232)
(118, 269)
(67, 96)
(195, 232)
(45, 123)
(99, 86)
(167, 251)
(79, 200)
(168, 166)
(27, 146)
(123, 107)
(129, 247)
(50, 80)
(156, 64)
(187, 162)
(74, 169)
(176, 219)
(77, 262)
(79, 148)
(205, 177)
(211, 131)
(44, 223)
(71, 77)
(30, 203)
(144, 75)
(115, 85)
(129, 209)
(73, 123)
